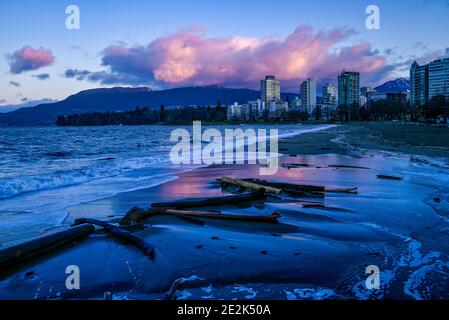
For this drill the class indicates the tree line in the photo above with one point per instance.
(145, 116)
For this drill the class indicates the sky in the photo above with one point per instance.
(173, 43)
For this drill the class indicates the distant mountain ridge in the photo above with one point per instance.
(398, 85)
(121, 99)
(27, 104)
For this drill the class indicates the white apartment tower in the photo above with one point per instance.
(308, 95)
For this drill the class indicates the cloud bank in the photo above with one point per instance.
(28, 58)
(189, 57)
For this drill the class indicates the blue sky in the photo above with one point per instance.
(416, 29)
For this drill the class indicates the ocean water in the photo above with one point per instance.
(46, 169)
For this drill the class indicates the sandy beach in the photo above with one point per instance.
(312, 253)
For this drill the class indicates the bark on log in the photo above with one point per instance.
(381, 176)
(295, 166)
(346, 167)
(147, 249)
(250, 185)
(299, 188)
(342, 190)
(199, 214)
(212, 201)
(171, 294)
(136, 215)
(41, 245)
(291, 186)
(143, 214)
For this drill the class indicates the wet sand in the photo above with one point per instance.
(313, 253)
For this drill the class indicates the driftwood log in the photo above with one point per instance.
(41, 245)
(249, 185)
(295, 166)
(289, 186)
(303, 189)
(338, 166)
(147, 249)
(136, 215)
(211, 201)
(171, 294)
(264, 219)
(342, 190)
(384, 177)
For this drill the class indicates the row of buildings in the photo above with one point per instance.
(344, 102)
(271, 106)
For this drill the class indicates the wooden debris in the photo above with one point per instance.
(313, 205)
(171, 294)
(204, 202)
(305, 190)
(143, 214)
(263, 219)
(147, 249)
(289, 186)
(192, 282)
(132, 215)
(134, 227)
(136, 215)
(249, 185)
(41, 245)
(295, 165)
(342, 190)
(385, 177)
(346, 167)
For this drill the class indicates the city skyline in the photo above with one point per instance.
(199, 50)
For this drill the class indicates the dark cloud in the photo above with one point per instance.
(104, 77)
(42, 76)
(14, 83)
(28, 58)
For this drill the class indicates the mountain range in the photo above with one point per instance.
(120, 99)
(398, 85)
(27, 104)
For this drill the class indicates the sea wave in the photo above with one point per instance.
(25, 184)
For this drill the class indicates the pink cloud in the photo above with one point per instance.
(189, 57)
(29, 58)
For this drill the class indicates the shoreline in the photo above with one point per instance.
(312, 252)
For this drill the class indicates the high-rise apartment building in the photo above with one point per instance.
(329, 102)
(329, 94)
(270, 89)
(349, 94)
(419, 77)
(428, 82)
(308, 95)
